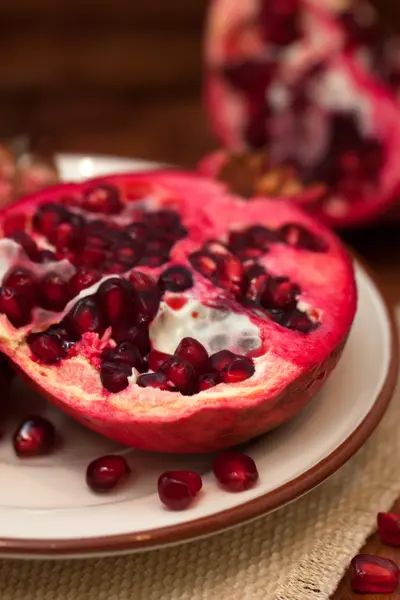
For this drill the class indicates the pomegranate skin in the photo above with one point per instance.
(166, 421)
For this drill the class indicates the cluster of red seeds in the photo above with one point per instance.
(234, 471)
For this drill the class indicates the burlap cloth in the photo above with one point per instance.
(297, 553)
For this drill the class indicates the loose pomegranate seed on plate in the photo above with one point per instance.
(373, 575)
(235, 471)
(106, 472)
(389, 528)
(178, 489)
(34, 437)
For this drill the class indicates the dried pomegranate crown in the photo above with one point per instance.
(165, 313)
(303, 95)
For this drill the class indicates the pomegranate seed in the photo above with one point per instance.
(299, 321)
(116, 299)
(204, 263)
(258, 289)
(147, 304)
(176, 279)
(47, 256)
(208, 380)
(389, 528)
(235, 471)
(191, 351)
(283, 294)
(238, 240)
(157, 358)
(181, 373)
(374, 575)
(138, 335)
(155, 380)
(163, 220)
(53, 292)
(215, 247)
(154, 259)
(125, 353)
(142, 282)
(83, 278)
(85, 316)
(230, 274)
(128, 254)
(97, 240)
(22, 281)
(92, 256)
(240, 369)
(65, 237)
(28, 244)
(298, 236)
(114, 268)
(221, 359)
(252, 270)
(103, 198)
(139, 232)
(48, 217)
(34, 437)
(106, 472)
(178, 489)
(14, 222)
(260, 236)
(63, 331)
(114, 376)
(47, 346)
(15, 306)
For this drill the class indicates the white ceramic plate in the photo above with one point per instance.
(47, 510)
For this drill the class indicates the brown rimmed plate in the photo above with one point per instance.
(47, 511)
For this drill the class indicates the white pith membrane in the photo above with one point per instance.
(205, 311)
(342, 86)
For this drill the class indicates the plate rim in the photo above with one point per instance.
(248, 511)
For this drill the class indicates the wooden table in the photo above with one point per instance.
(177, 133)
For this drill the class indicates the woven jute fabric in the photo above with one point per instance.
(298, 553)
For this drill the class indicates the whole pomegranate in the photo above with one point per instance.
(168, 314)
(297, 111)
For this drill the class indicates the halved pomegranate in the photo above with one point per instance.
(298, 115)
(199, 348)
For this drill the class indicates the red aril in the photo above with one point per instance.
(373, 575)
(34, 437)
(143, 359)
(22, 281)
(389, 528)
(178, 489)
(106, 472)
(235, 471)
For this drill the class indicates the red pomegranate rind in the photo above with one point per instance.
(296, 121)
(289, 365)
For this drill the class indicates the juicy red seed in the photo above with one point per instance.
(216, 247)
(253, 269)
(389, 528)
(163, 220)
(374, 575)
(258, 289)
(176, 279)
(104, 473)
(142, 282)
(86, 316)
(22, 281)
(154, 259)
(47, 346)
(53, 292)
(128, 253)
(97, 240)
(14, 222)
(125, 353)
(177, 489)
(283, 294)
(138, 231)
(157, 358)
(238, 240)
(34, 437)
(27, 243)
(83, 278)
(63, 331)
(92, 256)
(48, 217)
(235, 471)
(114, 376)
(16, 307)
(240, 369)
(221, 359)
(208, 380)
(299, 321)
(155, 380)
(260, 236)
(181, 373)
(147, 304)
(114, 268)
(138, 335)
(191, 351)
(158, 246)
(298, 236)
(230, 273)
(65, 237)
(46, 256)
(204, 263)
(116, 299)
(103, 198)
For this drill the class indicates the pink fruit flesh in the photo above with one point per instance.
(177, 489)
(287, 110)
(389, 528)
(198, 354)
(235, 471)
(373, 575)
(105, 473)
(34, 437)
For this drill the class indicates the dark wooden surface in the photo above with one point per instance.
(124, 77)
